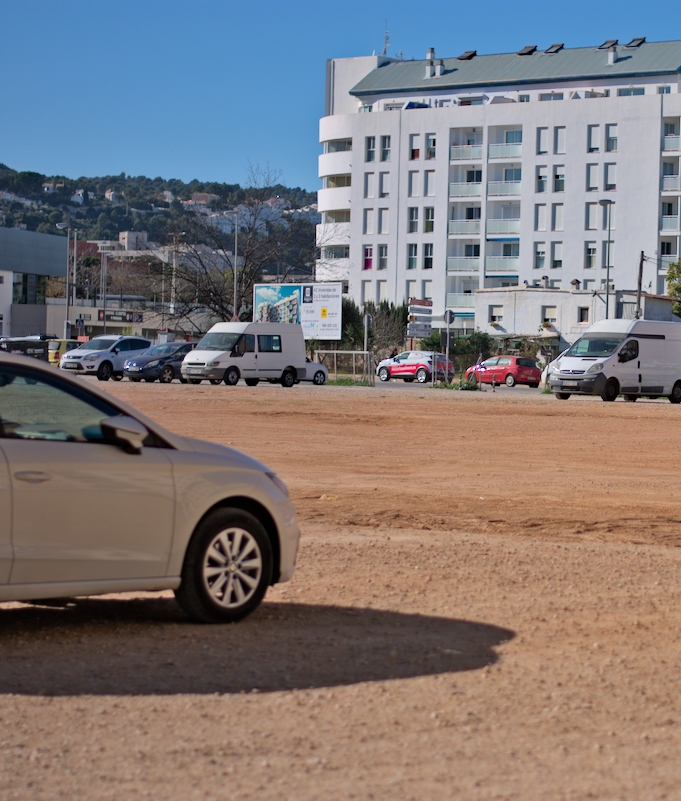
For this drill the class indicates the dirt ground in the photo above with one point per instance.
(486, 607)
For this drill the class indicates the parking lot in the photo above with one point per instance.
(486, 607)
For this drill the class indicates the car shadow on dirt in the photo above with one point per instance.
(101, 646)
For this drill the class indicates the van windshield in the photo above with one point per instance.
(218, 341)
(596, 346)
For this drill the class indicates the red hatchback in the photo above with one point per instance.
(509, 370)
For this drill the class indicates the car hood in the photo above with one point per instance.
(202, 356)
(85, 352)
(140, 361)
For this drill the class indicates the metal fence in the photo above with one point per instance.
(359, 365)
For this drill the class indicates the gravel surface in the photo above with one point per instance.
(486, 607)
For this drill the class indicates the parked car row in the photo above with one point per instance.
(415, 365)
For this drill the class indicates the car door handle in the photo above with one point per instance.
(32, 476)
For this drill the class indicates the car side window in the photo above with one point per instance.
(36, 406)
(629, 350)
(503, 362)
(525, 363)
(246, 344)
(140, 344)
(490, 362)
(269, 343)
(123, 346)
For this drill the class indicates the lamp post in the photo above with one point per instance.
(67, 325)
(235, 316)
(606, 204)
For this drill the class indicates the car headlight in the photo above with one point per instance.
(153, 364)
(213, 364)
(91, 358)
(280, 484)
(554, 368)
(595, 368)
(127, 364)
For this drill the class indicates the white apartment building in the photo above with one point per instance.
(444, 176)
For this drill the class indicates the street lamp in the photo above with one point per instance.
(67, 325)
(606, 204)
(235, 316)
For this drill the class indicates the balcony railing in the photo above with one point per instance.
(503, 188)
(460, 300)
(463, 264)
(464, 226)
(672, 182)
(665, 261)
(505, 150)
(670, 223)
(460, 152)
(672, 142)
(501, 264)
(465, 190)
(503, 226)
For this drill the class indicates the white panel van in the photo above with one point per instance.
(252, 351)
(634, 358)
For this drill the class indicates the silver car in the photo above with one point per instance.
(97, 498)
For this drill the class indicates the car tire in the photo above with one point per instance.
(675, 397)
(216, 381)
(384, 374)
(135, 380)
(288, 379)
(534, 386)
(227, 567)
(231, 377)
(167, 375)
(150, 380)
(252, 382)
(194, 380)
(630, 398)
(105, 371)
(509, 380)
(319, 378)
(611, 390)
(422, 375)
(562, 395)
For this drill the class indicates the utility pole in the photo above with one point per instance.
(75, 263)
(638, 290)
(67, 292)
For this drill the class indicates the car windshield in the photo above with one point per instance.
(98, 344)
(218, 341)
(162, 350)
(596, 346)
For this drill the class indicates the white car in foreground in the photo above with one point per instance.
(97, 498)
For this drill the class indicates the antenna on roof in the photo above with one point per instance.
(386, 40)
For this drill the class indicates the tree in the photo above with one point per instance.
(674, 285)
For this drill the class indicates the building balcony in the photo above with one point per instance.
(501, 265)
(497, 188)
(465, 152)
(670, 223)
(335, 163)
(463, 264)
(465, 190)
(671, 183)
(332, 270)
(671, 143)
(464, 227)
(665, 261)
(333, 234)
(330, 199)
(506, 151)
(456, 300)
(503, 226)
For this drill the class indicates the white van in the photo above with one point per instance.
(252, 351)
(635, 358)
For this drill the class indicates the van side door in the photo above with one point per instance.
(245, 356)
(629, 367)
(270, 356)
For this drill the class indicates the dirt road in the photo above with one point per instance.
(486, 607)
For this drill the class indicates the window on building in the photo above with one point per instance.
(427, 290)
(513, 137)
(663, 90)
(513, 174)
(385, 148)
(381, 291)
(589, 284)
(666, 249)
(471, 251)
(473, 212)
(428, 256)
(556, 255)
(29, 289)
(589, 255)
(540, 217)
(542, 140)
(410, 290)
(611, 138)
(336, 216)
(607, 253)
(430, 146)
(473, 176)
(609, 212)
(510, 250)
(412, 256)
(610, 184)
(413, 227)
(542, 174)
(539, 255)
(631, 90)
(670, 129)
(365, 108)
(368, 262)
(368, 221)
(496, 314)
(366, 292)
(593, 138)
(384, 184)
(383, 221)
(338, 145)
(382, 257)
(413, 187)
(336, 252)
(559, 139)
(551, 96)
(549, 314)
(429, 183)
(559, 178)
(523, 98)
(557, 217)
(370, 148)
(337, 181)
(583, 314)
(428, 220)
(414, 147)
(592, 177)
(471, 101)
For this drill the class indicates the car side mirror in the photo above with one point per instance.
(125, 432)
(116, 351)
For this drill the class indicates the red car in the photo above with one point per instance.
(509, 370)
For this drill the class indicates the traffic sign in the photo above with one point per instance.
(420, 331)
(419, 318)
(423, 303)
(424, 310)
(449, 316)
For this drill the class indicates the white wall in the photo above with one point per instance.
(6, 302)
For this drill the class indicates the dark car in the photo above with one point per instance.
(162, 363)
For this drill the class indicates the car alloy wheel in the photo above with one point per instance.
(288, 379)
(421, 375)
(167, 375)
(105, 371)
(384, 374)
(319, 378)
(231, 377)
(509, 380)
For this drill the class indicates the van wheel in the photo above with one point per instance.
(252, 382)
(288, 379)
(231, 377)
(611, 390)
(562, 395)
(631, 398)
(105, 371)
(675, 397)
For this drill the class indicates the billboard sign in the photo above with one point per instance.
(316, 307)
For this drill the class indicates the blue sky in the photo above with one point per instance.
(203, 88)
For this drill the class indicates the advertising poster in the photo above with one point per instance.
(317, 307)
